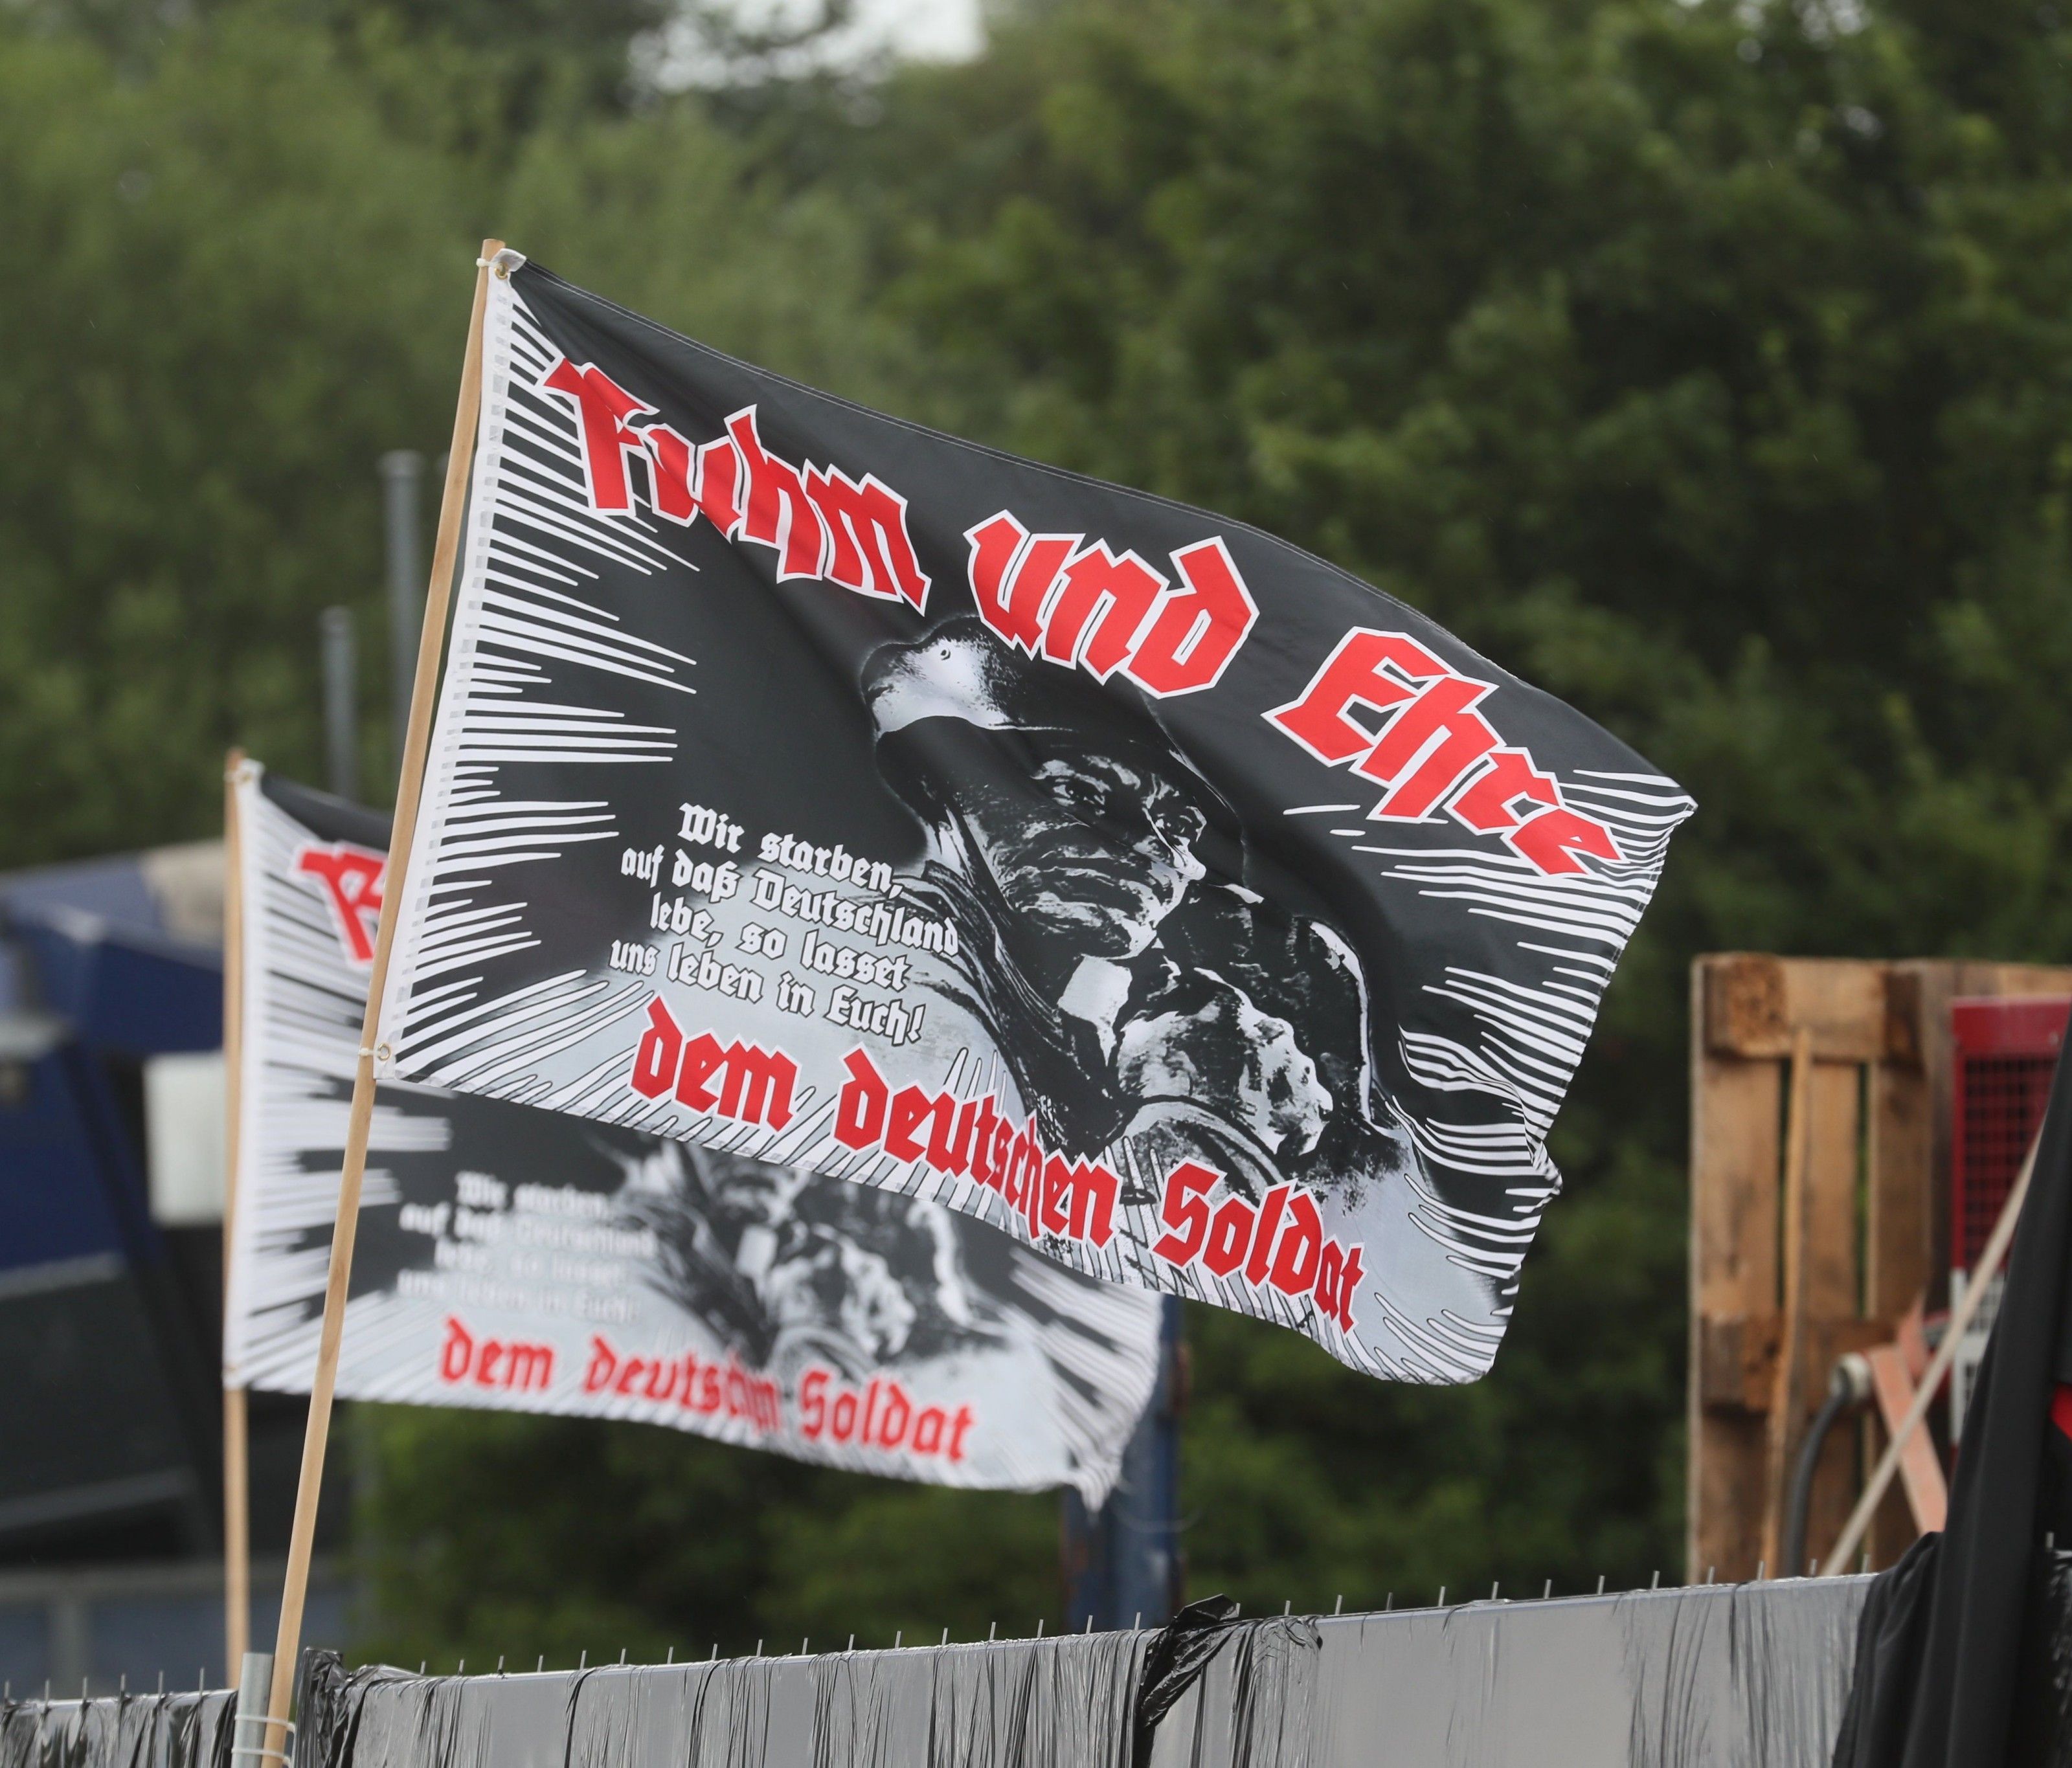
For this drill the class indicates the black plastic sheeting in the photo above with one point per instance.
(1064, 1700)
(2041, 1732)
(191, 1730)
(1728, 1674)
(1668, 1679)
(1748, 1674)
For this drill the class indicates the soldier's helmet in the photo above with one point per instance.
(958, 700)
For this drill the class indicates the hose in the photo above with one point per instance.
(1848, 1385)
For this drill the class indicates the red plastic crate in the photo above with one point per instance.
(2006, 1049)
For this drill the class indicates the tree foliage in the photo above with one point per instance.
(1705, 364)
(1708, 363)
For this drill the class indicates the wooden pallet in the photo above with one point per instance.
(1824, 1084)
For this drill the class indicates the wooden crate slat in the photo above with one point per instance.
(1755, 1004)
(1734, 1277)
(1833, 1176)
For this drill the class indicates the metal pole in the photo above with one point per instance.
(341, 703)
(402, 471)
(1124, 1562)
(255, 1673)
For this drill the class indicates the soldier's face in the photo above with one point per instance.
(1092, 850)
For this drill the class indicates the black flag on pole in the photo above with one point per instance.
(516, 1259)
(809, 785)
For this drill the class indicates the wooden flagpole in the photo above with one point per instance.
(236, 1504)
(417, 741)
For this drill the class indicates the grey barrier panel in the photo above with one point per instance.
(1669, 1679)
(1026, 1704)
(1743, 1673)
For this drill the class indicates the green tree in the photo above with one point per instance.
(229, 289)
(1706, 364)
(238, 274)
(480, 1535)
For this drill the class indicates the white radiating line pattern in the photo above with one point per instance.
(303, 1009)
(525, 643)
(1096, 1347)
(1532, 1025)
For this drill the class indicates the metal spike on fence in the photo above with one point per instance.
(1494, 1586)
(621, 1653)
(714, 1658)
(1654, 1583)
(1601, 1583)
(946, 1635)
(582, 1658)
(991, 1631)
(1287, 1604)
(851, 1642)
(669, 1657)
(897, 1637)
(1090, 1626)
(122, 1687)
(460, 1668)
(1761, 1566)
(161, 1682)
(1549, 1592)
(1338, 1607)
(802, 1644)
(1442, 1596)
(1039, 1627)
(758, 1648)
(1709, 1571)
(423, 1664)
(1390, 1604)
(499, 1664)
(1865, 1565)
(539, 1667)
(1138, 1622)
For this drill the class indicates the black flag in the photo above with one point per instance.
(812, 785)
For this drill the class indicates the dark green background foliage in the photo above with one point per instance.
(1709, 364)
